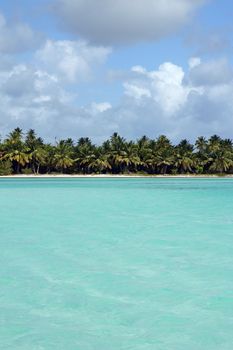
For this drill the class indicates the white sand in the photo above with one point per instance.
(113, 176)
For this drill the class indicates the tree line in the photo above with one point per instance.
(28, 154)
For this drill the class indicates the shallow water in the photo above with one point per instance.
(111, 264)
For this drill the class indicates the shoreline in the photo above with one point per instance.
(110, 176)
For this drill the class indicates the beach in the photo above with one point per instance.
(118, 176)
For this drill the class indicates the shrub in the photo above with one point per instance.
(5, 168)
(27, 171)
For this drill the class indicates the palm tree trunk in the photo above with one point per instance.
(18, 168)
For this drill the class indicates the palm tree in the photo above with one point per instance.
(85, 154)
(126, 159)
(202, 157)
(201, 145)
(117, 154)
(96, 162)
(15, 150)
(214, 143)
(49, 153)
(222, 162)
(185, 161)
(163, 154)
(38, 159)
(144, 152)
(221, 155)
(164, 159)
(63, 157)
(36, 150)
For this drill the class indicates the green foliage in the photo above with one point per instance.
(63, 156)
(5, 168)
(29, 154)
(27, 171)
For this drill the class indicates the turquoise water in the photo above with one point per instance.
(111, 264)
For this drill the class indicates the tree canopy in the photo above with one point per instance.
(29, 154)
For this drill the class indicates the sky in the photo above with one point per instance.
(73, 68)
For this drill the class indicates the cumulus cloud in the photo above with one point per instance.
(17, 82)
(17, 37)
(73, 61)
(97, 108)
(43, 93)
(211, 73)
(136, 91)
(168, 100)
(27, 96)
(164, 86)
(112, 22)
(178, 103)
(31, 98)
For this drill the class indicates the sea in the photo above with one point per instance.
(116, 264)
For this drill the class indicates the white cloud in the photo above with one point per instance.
(111, 22)
(71, 60)
(164, 86)
(215, 72)
(138, 69)
(167, 100)
(194, 62)
(17, 37)
(99, 107)
(179, 104)
(135, 91)
(42, 95)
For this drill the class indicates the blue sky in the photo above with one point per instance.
(74, 68)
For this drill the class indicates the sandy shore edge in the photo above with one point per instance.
(116, 176)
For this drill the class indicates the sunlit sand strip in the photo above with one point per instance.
(115, 176)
